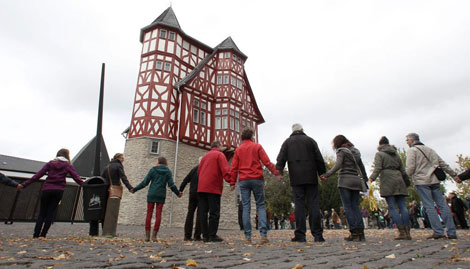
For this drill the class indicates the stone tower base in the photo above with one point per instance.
(139, 160)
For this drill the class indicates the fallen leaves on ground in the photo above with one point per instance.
(191, 262)
(298, 266)
(391, 256)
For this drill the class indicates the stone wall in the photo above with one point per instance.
(138, 161)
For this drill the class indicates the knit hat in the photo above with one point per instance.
(383, 140)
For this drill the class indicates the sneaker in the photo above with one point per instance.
(452, 236)
(436, 236)
(301, 240)
(264, 240)
(216, 239)
(319, 239)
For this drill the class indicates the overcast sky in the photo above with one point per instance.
(359, 68)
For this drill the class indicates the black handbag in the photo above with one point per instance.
(438, 172)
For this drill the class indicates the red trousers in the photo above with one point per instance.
(158, 216)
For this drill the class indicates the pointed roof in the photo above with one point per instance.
(228, 43)
(168, 18)
(84, 161)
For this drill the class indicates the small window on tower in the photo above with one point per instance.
(219, 79)
(224, 123)
(203, 105)
(218, 124)
(217, 112)
(203, 118)
(162, 33)
(225, 79)
(171, 36)
(155, 147)
(224, 111)
(196, 115)
(227, 55)
(234, 57)
(159, 65)
(196, 103)
(167, 66)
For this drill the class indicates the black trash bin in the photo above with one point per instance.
(95, 195)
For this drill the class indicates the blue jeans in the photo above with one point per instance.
(431, 194)
(350, 199)
(402, 218)
(257, 187)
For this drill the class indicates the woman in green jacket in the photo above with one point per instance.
(389, 168)
(159, 176)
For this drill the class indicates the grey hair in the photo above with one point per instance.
(297, 127)
(413, 136)
(215, 144)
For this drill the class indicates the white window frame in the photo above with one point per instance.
(152, 143)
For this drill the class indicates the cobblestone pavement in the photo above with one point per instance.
(68, 246)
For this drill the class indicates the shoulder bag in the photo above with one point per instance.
(438, 172)
(114, 190)
(364, 186)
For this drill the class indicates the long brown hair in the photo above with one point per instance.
(341, 141)
(63, 153)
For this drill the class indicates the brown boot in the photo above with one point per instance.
(407, 232)
(154, 236)
(401, 233)
(353, 236)
(147, 236)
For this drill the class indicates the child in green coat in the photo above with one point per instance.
(159, 176)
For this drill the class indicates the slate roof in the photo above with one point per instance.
(11, 163)
(84, 161)
(229, 44)
(168, 19)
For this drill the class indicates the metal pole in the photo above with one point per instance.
(176, 151)
(96, 170)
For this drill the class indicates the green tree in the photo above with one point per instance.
(463, 189)
(328, 192)
(278, 194)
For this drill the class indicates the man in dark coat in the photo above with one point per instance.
(305, 164)
(193, 202)
(459, 208)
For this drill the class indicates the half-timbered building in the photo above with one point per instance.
(188, 94)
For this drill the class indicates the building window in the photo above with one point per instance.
(237, 125)
(234, 57)
(218, 123)
(171, 36)
(217, 112)
(233, 81)
(159, 65)
(196, 103)
(167, 66)
(232, 124)
(203, 118)
(224, 123)
(154, 147)
(225, 111)
(196, 115)
(219, 79)
(225, 79)
(227, 55)
(162, 33)
(239, 84)
(203, 106)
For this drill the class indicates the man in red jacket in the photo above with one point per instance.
(246, 164)
(213, 168)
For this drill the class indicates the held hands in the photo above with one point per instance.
(132, 190)
(19, 187)
(457, 179)
(278, 177)
(232, 187)
(180, 194)
(323, 178)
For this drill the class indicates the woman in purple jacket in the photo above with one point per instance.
(52, 190)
